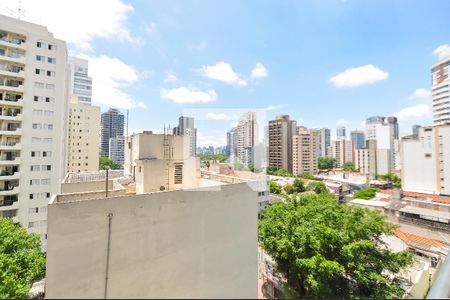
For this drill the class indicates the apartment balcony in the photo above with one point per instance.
(13, 57)
(10, 146)
(11, 116)
(7, 192)
(6, 161)
(9, 175)
(11, 131)
(12, 43)
(11, 102)
(11, 73)
(9, 205)
(18, 88)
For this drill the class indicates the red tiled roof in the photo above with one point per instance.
(407, 238)
(435, 198)
(384, 199)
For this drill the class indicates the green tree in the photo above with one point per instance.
(21, 260)
(326, 163)
(289, 189)
(275, 188)
(307, 175)
(238, 166)
(283, 172)
(349, 166)
(216, 157)
(105, 161)
(299, 185)
(365, 194)
(318, 187)
(327, 250)
(271, 170)
(391, 177)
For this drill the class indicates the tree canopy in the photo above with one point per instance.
(327, 250)
(21, 260)
(326, 163)
(391, 177)
(349, 166)
(318, 187)
(366, 194)
(216, 157)
(307, 175)
(105, 161)
(275, 188)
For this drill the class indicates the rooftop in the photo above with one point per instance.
(433, 197)
(92, 176)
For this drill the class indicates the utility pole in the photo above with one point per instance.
(106, 182)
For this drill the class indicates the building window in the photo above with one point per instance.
(51, 47)
(35, 168)
(50, 86)
(34, 224)
(178, 174)
(40, 58)
(39, 85)
(40, 45)
(51, 73)
(51, 60)
(33, 210)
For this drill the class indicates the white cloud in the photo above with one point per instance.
(363, 124)
(220, 116)
(274, 107)
(259, 71)
(197, 46)
(77, 22)
(414, 113)
(442, 51)
(420, 94)
(359, 76)
(223, 72)
(343, 122)
(170, 78)
(109, 77)
(188, 95)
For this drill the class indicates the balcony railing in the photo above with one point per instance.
(9, 143)
(8, 202)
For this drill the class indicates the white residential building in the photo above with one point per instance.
(366, 158)
(440, 80)
(305, 150)
(80, 82)
(33, 120)
(426, 161)
(383, 131)
(83, 136)
(342, 151)
(116, 149)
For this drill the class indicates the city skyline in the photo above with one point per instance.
(160, 60)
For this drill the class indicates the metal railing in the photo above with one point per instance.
(441, 287)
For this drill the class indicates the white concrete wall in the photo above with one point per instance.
(181, 244)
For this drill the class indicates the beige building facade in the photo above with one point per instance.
(281, 132)
(83, 136)
(342, 150)
(33, 120)
(305, 151)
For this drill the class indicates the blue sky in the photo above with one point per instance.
(160, 57)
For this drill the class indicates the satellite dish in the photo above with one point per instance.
(162, 188)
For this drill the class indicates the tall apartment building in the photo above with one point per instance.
(305, 150)
(324, 140)
(358, 138)
(384, 130)
(366, 158)
(186, 127)
(342, 151)
(440, 91)
(232, 145)
(415, 130)
(80, 82)
(281, 131)
(426, 161)
(341, 132)
(117, 149)
(112, 124)
(246, 138)
(83, 136)
(33, 120)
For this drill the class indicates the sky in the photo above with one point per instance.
(325, 63)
